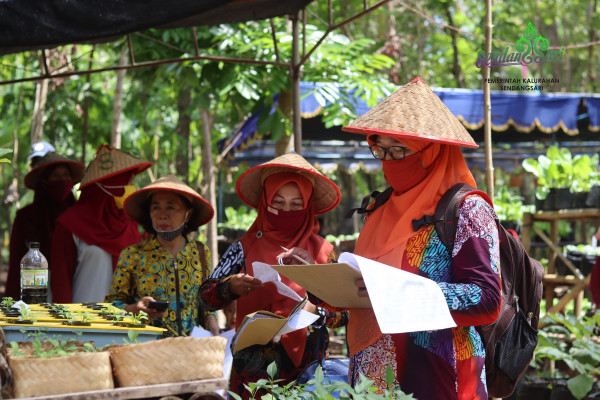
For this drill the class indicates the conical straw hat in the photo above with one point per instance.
(110, 162)
(326, 195)
(413, 112)
(134, 204)
(50, 160)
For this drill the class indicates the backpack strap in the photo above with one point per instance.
(200, 247)
(380, 199)
(447, 212)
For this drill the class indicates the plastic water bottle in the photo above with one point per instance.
(34, 276)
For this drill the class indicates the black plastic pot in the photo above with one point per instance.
(550, 202)
(580, 199)
(593, 199)
(564, 199)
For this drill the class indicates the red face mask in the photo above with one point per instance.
(404, 174)
(59, 190)
(286, 221)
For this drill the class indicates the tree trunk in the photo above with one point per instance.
(456, 68)
(183, 131)
(39, 108)
(209, 182)
(115, 137)
(284, 144)
(86, 107)
(592, 8)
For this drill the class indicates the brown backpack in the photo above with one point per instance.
(511, 340)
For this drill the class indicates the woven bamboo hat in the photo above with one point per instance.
(50, 160)
(110, 162)
(326, 195)
(134, 204)
(413, 112)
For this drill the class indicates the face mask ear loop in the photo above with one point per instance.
(106, 191)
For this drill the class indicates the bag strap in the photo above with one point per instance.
(447, 212)
(200, 247)
(380, 199)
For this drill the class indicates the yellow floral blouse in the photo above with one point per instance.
(147, 269)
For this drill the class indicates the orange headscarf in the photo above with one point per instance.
(263, 243)
(385, 232)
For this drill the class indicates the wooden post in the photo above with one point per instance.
(297, 119)
(487, 106)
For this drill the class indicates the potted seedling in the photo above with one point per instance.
(116, 315)
(78, 318)
(554, 173)
(7, 307)
(7, 303)
(26, 316)
(135, 320)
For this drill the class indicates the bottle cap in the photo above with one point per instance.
(34, 245)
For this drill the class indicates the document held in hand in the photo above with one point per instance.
(402, 301)
(263, 326)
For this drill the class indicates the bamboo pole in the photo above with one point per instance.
(295, 71)
(487, 106)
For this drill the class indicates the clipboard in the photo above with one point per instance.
(332, 283)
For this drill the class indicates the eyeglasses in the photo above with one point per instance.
(395, 152)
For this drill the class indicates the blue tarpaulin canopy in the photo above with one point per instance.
(528, 117)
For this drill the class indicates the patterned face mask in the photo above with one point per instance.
(171, 235)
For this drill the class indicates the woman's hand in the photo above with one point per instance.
(294, 256)
(362, 289)
(210, 323)
(142, 305)
(311, 308)
(242, 284)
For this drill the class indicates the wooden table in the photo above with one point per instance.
(202, 389)
(551, 279)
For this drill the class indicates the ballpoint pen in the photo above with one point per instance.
(303, 261)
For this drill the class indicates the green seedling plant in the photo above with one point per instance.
(7, 302)
(117, 314)
(553, 170)
(274, 389)
(138, 319)
(131, 337)
(571, 340)
(58, 347)
(26, 315)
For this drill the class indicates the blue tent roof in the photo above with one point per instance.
(524, 113)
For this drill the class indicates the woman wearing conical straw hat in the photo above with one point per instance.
(167, 267)
(418, 141)
(288, 193)
(90, 235)
(52, 181)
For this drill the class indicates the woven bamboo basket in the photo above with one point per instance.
(80, 372)
(169, 360)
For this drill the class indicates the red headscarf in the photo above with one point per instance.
(385, 233)
(96, 220)
(263, 243)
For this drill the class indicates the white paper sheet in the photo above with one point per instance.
(265, 273)
(300, 320)
(402, 301)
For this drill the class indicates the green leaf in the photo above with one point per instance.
(580, 385)
(272, 369)
(389, 376)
